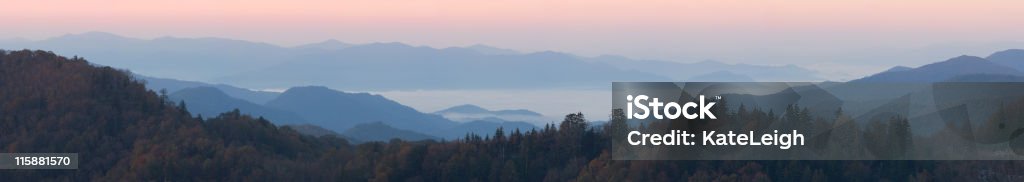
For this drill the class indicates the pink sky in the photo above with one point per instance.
(689, 30)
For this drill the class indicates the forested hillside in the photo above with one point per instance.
(123, 132)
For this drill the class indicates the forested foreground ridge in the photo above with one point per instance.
(123, 132)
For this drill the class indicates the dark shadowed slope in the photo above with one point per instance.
(122, 132)
(210, 102)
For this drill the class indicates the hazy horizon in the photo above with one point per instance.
(855, 64)
(844, 39)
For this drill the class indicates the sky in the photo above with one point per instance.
(842, 38)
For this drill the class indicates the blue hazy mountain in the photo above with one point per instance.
(891, 84)
(375, 66)
(469, 112)
(721, 76)
(683, 71)
(167, 57)
(210, 101)
(330, 44)
(379, 131)
(172, 85)
(1013, 58)
(898, 68)
(942, 71)
(386, 66)
(987, 78)
(340, 111)
(489, 50)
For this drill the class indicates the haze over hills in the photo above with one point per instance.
(329, 45)
(469, 112)
(1013, 58)
(688, 71)
(376, 66)
(942, 71)
(340, 111)
(163, 57)
(898, 68)
(892, 83)
(390, 65)
(384, 66)
(172, 85)
(488, 50)
(721, 76)
(209, 100)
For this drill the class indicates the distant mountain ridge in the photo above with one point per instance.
(721, 76)
(473, 109)
(1013, 58)
(942, 71)
(172, 85)
(469, 112)
(339, 111)
(330, 44)
(391, 66)
(898, 68)
(375, 66)
(683, 71)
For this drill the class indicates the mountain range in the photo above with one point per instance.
(1013, 58)
(173, 85)
(335, 64)
(942, 71)
(469, 112)
(340, 111)
(356, 116)
(378, 66)
(210, 101)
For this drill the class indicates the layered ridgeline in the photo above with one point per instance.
(338, 111)
(381, 66)
(947, 70)
(123, 132)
